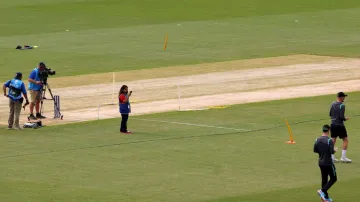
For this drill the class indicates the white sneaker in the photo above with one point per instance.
(335, 160)
(345, 160)
(17, 128)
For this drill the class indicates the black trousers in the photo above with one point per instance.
(326, 172)
(124, 119)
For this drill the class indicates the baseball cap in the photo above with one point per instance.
(341, 94)
(42, 64)
(325, 128)
(18, 75)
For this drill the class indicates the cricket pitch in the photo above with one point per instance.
(200, 86)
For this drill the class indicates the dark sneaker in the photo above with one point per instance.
(9, 128)
(32, 117)
(39, 116)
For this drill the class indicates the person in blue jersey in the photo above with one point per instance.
(124, 108)
(16, 91)
(35, 88)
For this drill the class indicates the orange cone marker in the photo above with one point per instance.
(291, 141)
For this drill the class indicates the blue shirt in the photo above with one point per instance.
(16, 87)
(124, 107)
(34, 75)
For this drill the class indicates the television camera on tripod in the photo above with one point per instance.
(43, 74)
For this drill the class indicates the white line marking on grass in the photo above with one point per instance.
(190, 124)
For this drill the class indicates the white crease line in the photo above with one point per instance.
(190, 124)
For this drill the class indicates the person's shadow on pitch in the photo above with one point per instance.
(124, 108)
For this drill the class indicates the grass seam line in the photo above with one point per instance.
(161, 139)
(191, 124)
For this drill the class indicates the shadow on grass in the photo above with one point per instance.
(342, 191)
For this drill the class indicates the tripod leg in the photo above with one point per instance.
(49, 89)
(42, 100)
(52, 97)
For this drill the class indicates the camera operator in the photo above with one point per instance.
(16, 88)
(35, 88)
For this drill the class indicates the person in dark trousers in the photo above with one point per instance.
(337, 114)
(324, 146)
(124, 108)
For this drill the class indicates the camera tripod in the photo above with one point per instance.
(45, 87)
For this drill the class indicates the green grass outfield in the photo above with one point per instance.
(217, 155)
(229, 159)
(114, 35)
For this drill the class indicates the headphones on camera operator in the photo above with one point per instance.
(44, 73)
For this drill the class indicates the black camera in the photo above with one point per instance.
(44, 72)
(49, 71)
